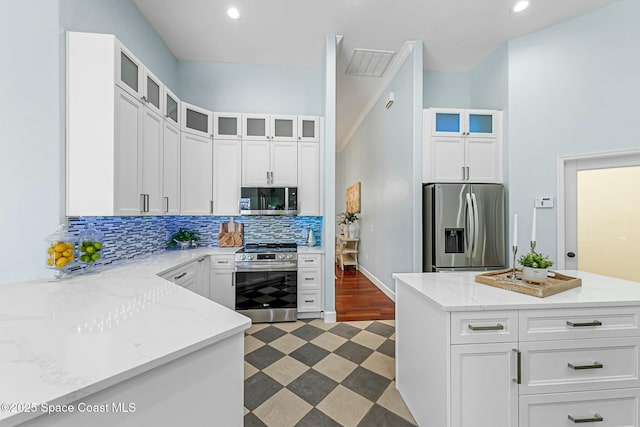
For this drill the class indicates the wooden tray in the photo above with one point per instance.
(552, 285)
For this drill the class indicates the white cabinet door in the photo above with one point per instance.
(153, 90)
(128, 154)
(196, 120)
(129, 72)
(226, 177)
(227, 126)
(195, 175)
(446, 122)
(171, 169)
(483, 392)
(284, 128)
(482, 157)
(482, 123)
(284, 163)
(256, 127)
(309, 128)
(255, 163)
(152, 162)
(446, 159)
(202, 276)
(222, 287)
(309, 179)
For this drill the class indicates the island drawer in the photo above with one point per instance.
(222, 261)
(610, 408)
(484, 327)
(309, 260)
(608, 322)
(309, 301)
(309, 279)
(579, 365)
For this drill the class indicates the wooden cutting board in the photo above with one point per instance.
(230, 238)
(551, 286)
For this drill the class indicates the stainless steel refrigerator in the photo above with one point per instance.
(463, 227)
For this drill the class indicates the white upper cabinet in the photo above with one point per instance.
(171, 107)
(153, 91)
(226, 177)
(284, 128)
(152, 163)
(269, 163)
(227, 126)
(284, 163)
(269, 126)
(129, 69)
(196, 120)
(195, 175)
(171, 169)
(309, 179)
(308, 128)
(456, 122)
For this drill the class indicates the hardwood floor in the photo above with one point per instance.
(359, 299)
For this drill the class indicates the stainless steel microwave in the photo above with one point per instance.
(268, 201)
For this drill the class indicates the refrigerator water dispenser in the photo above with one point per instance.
(454, 240)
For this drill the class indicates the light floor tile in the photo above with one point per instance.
(335, 367)
(328, 341)
(369, 340)
(392, 401)
(256, 327)
(251, 344)
(249, 370)
(283, 409)
(289, 326)
(320, 323)
(381, 364)
(391, 322)
(360, 324)
(393, 337)
(345, 406)
(288, 343)
(246, 411)
(285, 370)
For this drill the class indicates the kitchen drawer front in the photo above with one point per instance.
(617, 408)
(595, 364)
(606, 322)
(182, 274)
(309, 301)
(484, 327)
(309, 260)
(222, 261)
(309, 279)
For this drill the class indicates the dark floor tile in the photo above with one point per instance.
(269, 334)
(354, 352)
(345, 331)
(366, 383)
(251, 420)
(307, 332)
(309, 354)
(316, 418)
(264, 356)
(381, 329)
(312, 386)
(257, 389)
(381, 417)
(389, 348)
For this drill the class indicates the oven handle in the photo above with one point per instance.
(256, 268)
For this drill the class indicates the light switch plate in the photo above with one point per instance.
(544, 202)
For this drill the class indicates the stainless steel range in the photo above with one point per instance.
(266, 282)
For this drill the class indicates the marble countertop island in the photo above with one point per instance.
(61, 341)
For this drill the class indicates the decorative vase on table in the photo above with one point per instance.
(535, 274)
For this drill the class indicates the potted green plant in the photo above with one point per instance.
(347, 221)
(535, 266)
(183, 238)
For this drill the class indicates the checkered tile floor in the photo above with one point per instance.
(311, 373)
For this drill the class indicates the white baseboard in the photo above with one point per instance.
(388, 292)
(330, 317)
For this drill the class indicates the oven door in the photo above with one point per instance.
(267, 294)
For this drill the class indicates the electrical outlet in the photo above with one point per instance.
(544, 202)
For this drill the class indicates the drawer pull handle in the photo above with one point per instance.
(596, 365)
(309, 300)
(180, 276)
(497, 327)
(309, 260)
(582, 325)
(518, 378)
(596, 419)
(223, 262)
(308, 278)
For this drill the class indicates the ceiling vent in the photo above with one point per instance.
(369, 62)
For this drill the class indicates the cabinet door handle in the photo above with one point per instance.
(467, 168)
(582, 325)
(518, 378)
(142, 205)
(497, 327)
(463, 175)
(238, 205)
(166, 204)
(595, 419)
(180, 276)
(210, 206)
(267, 177)
(201, 259)
(271, 174)
(596, 365)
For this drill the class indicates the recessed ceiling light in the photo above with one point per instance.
(233, 13)
(520, 6)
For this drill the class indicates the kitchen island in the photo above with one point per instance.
(469, 354)
(122, 347)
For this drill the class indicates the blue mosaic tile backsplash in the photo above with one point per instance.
(133, 237)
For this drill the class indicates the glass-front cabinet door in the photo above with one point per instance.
(171, 107)
(308, 128)
(130, 71)
(196, 120)
(227, 126)
(482, 123)
(153, 92)
(447, 122)
(453, 122)
(256, 127)
(284, 128)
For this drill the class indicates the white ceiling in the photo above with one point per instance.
(456, 34)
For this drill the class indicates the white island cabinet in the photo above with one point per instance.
(471, 355)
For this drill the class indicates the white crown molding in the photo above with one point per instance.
(395, 65)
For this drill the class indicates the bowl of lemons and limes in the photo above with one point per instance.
(90, 242)
(61, 249)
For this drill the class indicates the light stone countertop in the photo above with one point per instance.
(458, 291)
(62, 341)
(310, 249)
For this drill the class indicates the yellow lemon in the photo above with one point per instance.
(69, 245)
(50, 250)
(61, 262)
(61, 247)
(50, 261)
(67, 253)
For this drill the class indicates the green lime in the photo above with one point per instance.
(87, 242)
(97, 245)
(90, 250)
(82, 249)
(85, 258)
(95, 257)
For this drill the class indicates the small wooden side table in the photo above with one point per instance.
(346, 251)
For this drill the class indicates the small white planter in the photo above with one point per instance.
(535, 274)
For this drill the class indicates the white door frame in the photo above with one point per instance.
(606, 159)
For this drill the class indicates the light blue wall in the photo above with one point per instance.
(446, 89)
(380, 156)
(252, 88)
(573, 88)
(122, 18)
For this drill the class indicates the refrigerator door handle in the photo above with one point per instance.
(476, 228)
(470, 226)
